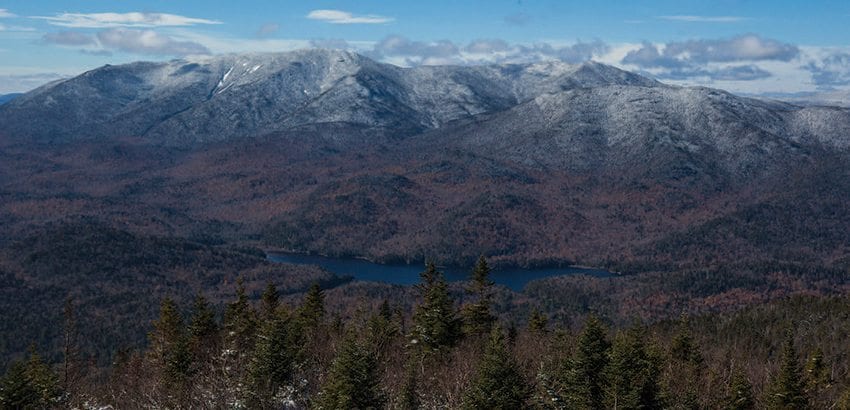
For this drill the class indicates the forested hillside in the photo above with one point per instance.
(443, 353)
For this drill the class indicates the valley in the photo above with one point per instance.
(134, 184)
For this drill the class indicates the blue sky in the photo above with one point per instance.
(746, 46)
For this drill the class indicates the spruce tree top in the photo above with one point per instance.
(481, 276)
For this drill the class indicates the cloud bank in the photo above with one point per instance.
(400, 50)
(832, 71)
(147, 42)
(135, 19)
(344, 17)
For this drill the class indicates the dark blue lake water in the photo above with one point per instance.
(513, 278)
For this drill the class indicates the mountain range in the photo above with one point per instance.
(130, 183)
(331, 152)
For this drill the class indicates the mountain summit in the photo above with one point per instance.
(218, 98)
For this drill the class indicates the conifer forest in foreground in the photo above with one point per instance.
(268, 353)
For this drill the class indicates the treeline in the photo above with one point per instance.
(266, 354)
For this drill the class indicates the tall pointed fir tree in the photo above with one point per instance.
(353, 381)
(634, 372)
(498, 383)
(169, 347)
(312, 310)
(203, 331)
(583, 375)
(240, 331)
(382, 331)
(276, 355)
(240, 323)
(740, 395)
(477, 318)
(270, 300)
(685, 369)
(435, 324)
(817, 374)
(786, 390)
(537, 321)
(29, 384)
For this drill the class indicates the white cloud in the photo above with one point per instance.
(829, 67)
(786, 75)
(218, 44)
(705, 19)
(147, 42)
(344, 17)
(4, 27)
(135, 19)
(402, 51)
(692, 55)
(5, 13)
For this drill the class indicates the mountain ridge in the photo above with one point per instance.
(333, 153)
(282, 91)
(4, 98)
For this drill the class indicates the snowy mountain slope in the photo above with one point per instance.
(627, 127)
(230, 96)
(553, 114)
(8, 97)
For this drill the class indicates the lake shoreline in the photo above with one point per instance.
(363, 269)
(495, 266)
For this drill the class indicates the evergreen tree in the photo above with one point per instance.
(169, 346)
(240, 323)
(17, 390)
(498, 383)
(683, 348)
(583, 374)
(276, 355)
(435, 325)
(634, 373)
(384, 310)
(787, 388)
(270, 302)
(537, 321)
(817, 374)
(313, 308)
(477, 319)
(740, 392)
(352, 382)
(203, 330)
(381, 329)
(686, 368)
(29, 384)
(239, 338)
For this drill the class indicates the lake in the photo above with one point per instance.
(513, 278)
